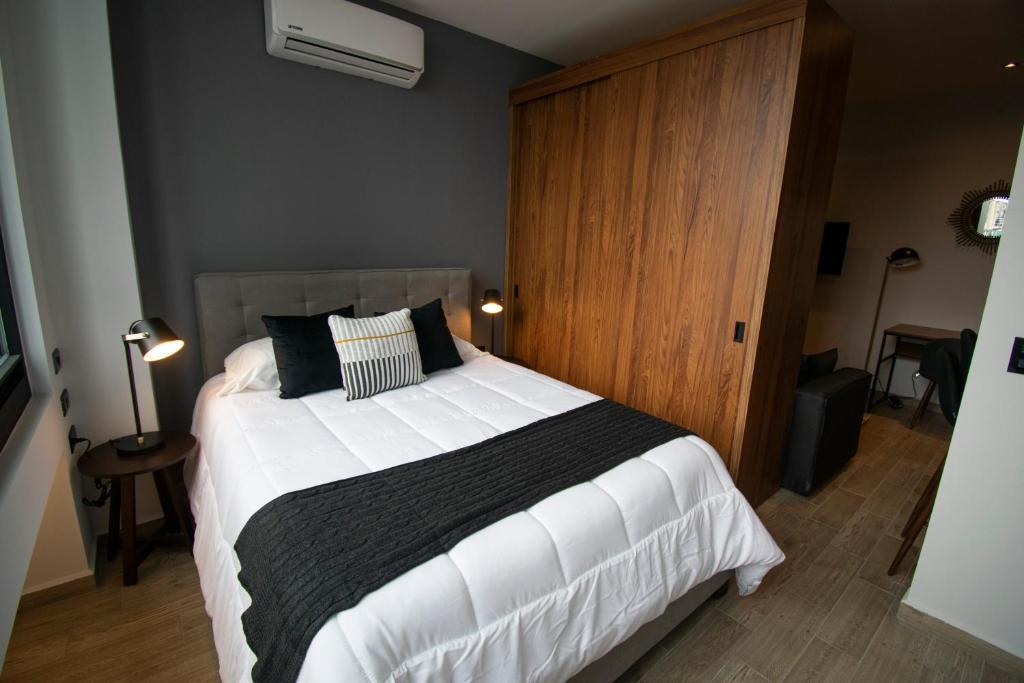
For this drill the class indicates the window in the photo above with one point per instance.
(14, 388)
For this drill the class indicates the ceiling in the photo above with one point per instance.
(902, 47)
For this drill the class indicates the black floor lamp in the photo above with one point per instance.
(491, 304)
(156, 341)
(904, 257)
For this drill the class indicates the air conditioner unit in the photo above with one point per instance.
(345, 37)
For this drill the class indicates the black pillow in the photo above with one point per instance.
(817, 365)
(437, 348)
(307, 361)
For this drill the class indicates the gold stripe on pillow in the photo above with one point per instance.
(377, 336)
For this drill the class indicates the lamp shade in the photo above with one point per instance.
(155, 339)
(904, 257)
(491, 302)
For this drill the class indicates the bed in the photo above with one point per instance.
(578, 586)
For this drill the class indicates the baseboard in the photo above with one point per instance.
(61, 588)
(909, 401)
(937, 628)
(84, 581)
(138, 523)
(142, 527)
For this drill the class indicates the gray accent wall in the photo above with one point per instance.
(236, 160)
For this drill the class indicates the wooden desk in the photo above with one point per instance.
(910, 339)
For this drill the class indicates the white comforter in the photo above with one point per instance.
(534, 597)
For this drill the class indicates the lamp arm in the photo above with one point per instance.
(874, 323)
(131, 382)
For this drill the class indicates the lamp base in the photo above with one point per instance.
(135, 445)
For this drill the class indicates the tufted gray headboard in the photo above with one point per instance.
(229, 305)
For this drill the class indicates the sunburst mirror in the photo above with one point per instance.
(978, 221)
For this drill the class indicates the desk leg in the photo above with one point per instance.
(874, 378)
(114, 520)
(892, 368)
(130, 568)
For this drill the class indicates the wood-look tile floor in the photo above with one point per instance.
(155, 631)
(829, 612)
(826, 614)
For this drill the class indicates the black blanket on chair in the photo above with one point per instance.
(310, 554)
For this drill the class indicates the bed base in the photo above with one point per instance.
(610, 667)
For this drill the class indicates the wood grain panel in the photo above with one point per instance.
(549, 154)
(706, 211)
(661, 195)
(813, 140)
(664, 164)
(736, 21)
(615, 159)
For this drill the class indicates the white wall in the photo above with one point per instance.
(38, 445)
(969, 571)
(73, 217)
(902, 168)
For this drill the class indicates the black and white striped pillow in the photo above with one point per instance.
(377, 354)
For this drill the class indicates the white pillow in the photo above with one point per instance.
(466, 350)
(251, 367)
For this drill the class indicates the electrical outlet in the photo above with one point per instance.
(56, 361)
(65, 402)
(74, 439)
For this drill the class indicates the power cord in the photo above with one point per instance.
(102, 485)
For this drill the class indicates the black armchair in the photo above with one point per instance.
(827, 414)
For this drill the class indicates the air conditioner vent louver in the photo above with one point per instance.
(349, 58)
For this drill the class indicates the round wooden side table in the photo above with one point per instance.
(104, 462)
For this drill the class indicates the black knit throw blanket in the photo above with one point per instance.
(308, 555)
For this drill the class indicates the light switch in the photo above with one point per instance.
(1017, 357)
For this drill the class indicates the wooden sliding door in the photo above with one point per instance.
(639, 209)
(581, 165)
(665, 212)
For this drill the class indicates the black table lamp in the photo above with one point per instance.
(491, 304)
(904, 257)
(156, 341)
